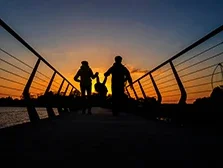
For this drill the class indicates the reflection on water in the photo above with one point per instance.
(10, 116)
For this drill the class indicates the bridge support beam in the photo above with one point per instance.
(59, 108)
(143, 93)
(66, 109)
(66, 89)
(33, 115)
(183, 97)
(71, 91)
(48, 97)
(159, 97)
(128, 92)
(135, 93)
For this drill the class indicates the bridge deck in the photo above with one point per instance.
(126, 140)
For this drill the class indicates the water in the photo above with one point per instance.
(10, 116)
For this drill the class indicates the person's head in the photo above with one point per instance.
(118, 59)
(84, 63)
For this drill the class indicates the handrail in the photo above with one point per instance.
(33, 115)
(20, 39)
(176, 77)
(203, 39)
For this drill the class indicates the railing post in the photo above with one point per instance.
(135, 92)
(65, 99)
(159, 97)
(59, 108)
(71, 91)
(128, 92)
(33, 115)
(61, 85)
(49, 98)
(50, 83)
(183, 97)
(143, 93)
(66, 89)
(221, 70)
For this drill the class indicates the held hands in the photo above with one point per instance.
(105, 79)
(77, 80)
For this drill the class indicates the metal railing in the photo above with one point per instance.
(188, 75)
(26, 78)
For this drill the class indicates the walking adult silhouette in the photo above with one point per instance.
(86, 75)
(120, 74)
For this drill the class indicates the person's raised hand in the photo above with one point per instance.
(96, 74)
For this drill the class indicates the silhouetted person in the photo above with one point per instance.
(101, 89)
(120, 74)
(86, 75)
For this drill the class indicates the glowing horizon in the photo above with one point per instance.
(144, 33)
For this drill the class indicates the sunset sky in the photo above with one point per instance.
(144, 32)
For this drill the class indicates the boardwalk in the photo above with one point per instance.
(126, 140)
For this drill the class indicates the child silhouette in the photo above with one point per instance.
(100, 88)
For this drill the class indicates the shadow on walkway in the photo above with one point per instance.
(100, 138)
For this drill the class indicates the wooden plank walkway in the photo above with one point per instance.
(126, 140)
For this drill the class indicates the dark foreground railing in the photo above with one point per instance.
(28, 78)
(186, 76)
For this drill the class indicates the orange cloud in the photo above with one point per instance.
(137, 70)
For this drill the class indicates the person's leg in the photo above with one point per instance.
(89, 99)
(115, 101)
(121, 99)
(118, 99)
(83, 99)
